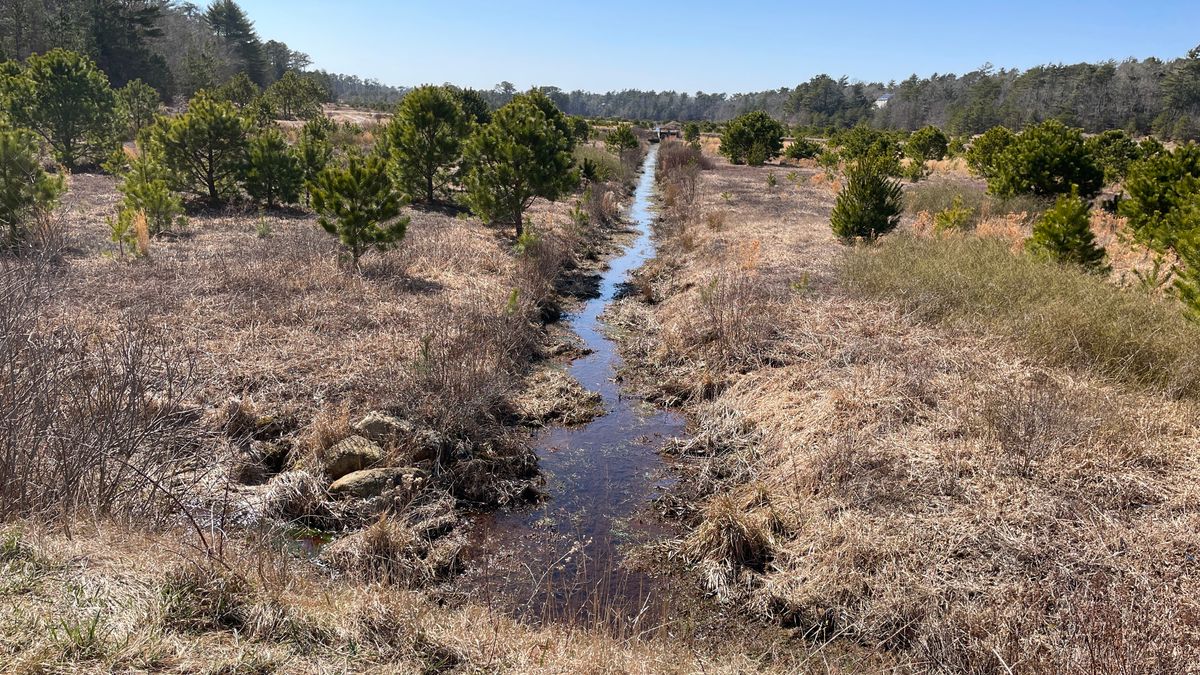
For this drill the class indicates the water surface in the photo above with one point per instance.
(562, 559)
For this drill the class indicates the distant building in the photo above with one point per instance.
(882, 101)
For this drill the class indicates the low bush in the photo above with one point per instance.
(89, 425)
(927, 144)
(984, 151)
(753, 138)
(1064, 234)
(1058, 313)
(1049, 159)
(802, 148)
(25, 188)
(869, 206)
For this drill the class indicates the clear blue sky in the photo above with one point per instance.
(712, 46)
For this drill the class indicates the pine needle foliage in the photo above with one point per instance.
(25, 187)
(870, 204)
(425, 141)
(358, 204)
(274, 174)
(521, 155)
(1064, 234)
(205, 149)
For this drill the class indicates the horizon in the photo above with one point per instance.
(582, 50)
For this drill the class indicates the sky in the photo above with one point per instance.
(710, 46)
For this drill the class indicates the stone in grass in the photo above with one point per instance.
(374, 482)
(353, 454)
(381, 427)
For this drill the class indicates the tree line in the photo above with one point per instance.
(179, 48)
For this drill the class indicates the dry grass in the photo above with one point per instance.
(118, 600)
(924, 489)
(1061, 314)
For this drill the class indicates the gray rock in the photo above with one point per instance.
(381, 427)
(374, 482)
(353, 454)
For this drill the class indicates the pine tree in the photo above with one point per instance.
(621, 140)
(425, 141)
(520, 156)
(273, 172)
(145, 188)
(139, 104)
(359, 205)
(204, 149)
(314, 151)
(869, 206)
(1187, 281)
(474, 105)
(67, 101)
(927, 144)
(1064, 234)
(296, 96)
(1046, 160)
(239, 90)
(25, 187)
(1161, 189)
(753, 138)
(984, 151)
(230, 23)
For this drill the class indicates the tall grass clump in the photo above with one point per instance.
(1059, 313)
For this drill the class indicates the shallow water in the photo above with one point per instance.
(561, 560)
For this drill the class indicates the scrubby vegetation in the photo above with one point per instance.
(1062, 315)
(280, 353)
(869, 206)
(753, 138)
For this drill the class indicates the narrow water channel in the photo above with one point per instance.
(562, 559)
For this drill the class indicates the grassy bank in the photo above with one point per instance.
(1063, 316)
(936, 452)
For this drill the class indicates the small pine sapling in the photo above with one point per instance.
(359, 205)
(1064, 234)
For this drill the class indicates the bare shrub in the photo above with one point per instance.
(1033, 421)
(542, 259)
(89, 423)
(458, 385)
(736, 317)
(600, 203)
(673, 156)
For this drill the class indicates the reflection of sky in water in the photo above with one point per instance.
(601, 478)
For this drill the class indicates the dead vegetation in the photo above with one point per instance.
(127, 601)
(221, 380)
(935, 491)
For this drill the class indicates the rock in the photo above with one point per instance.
(381, 427)
(353, 454)
(428, 444)
(373, 482)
